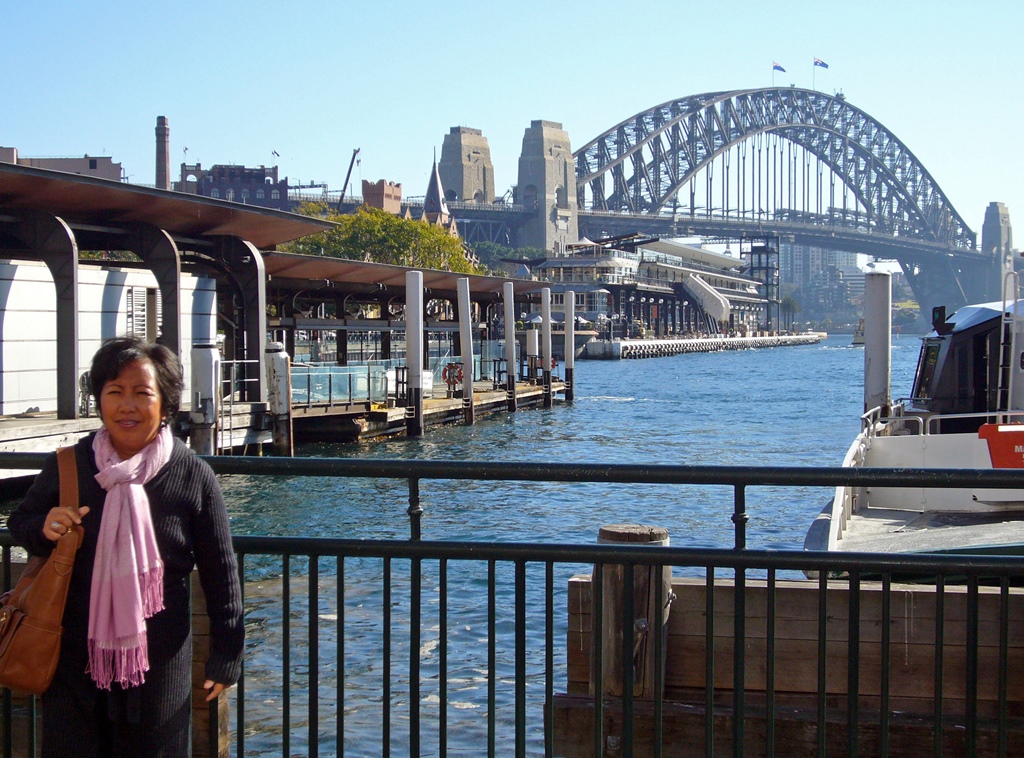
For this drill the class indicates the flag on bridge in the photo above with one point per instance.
(820, 62)
(777, 67)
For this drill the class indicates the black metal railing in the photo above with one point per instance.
(425, 648)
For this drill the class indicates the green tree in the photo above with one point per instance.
(376, 236)
(789, 307)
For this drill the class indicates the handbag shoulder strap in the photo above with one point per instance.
(67, 467)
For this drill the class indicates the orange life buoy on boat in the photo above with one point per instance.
(452, 374)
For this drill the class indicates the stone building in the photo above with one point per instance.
(384, 195)
(101, 167)
(547, 184)
(466, 171)
(241, 184)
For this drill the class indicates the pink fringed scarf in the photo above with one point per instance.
(128, 573)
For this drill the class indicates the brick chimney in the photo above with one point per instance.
(163, 153)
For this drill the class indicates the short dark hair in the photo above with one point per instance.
(116, 353)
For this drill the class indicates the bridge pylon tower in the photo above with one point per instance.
(547, 186)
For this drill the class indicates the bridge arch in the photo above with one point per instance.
(686, 155)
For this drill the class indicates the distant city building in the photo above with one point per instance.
(798, 264)
(240, 184)
(384, 195)
(101, 167)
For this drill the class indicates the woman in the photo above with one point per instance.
(151, 511)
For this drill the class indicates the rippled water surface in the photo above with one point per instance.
(793, 406)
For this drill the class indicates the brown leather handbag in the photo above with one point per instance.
(31, 613)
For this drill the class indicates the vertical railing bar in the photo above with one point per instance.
(330, 388)
(628, 630)
(385, 703)
(1004, 664)
(240, 687)
(853, 665)
(33, 723)
(309, 389)
(596, 649)
(769, 676)
(340, 657)
(314, 656)
(883, 728)
(8, 703)
(286, 637)
(442, 726)
(971, 672)
(659, 653)
(492, 656)
(739, 622)
(549, 658)
(822, 650)
(520, 644)
(940, 642)
(415, 643)
(415, 510)
(709, 663)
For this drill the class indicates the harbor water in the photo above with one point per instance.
(791, 406)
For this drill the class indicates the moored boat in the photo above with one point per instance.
(966, 410)
(858, 334)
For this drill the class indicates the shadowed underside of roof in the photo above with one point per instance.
(88, 200)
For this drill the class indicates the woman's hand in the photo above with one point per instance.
(215, 689)
(60, 520)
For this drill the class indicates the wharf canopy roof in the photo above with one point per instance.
(302, 269)
(88, 200)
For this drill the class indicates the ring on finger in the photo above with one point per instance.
(55, 525)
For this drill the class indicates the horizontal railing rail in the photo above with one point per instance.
(426, 647)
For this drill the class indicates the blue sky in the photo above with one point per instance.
(316, 79)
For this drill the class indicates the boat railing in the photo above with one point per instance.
(896, 419)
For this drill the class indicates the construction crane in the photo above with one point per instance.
(348, 176)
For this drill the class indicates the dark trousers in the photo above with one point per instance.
(150, 721)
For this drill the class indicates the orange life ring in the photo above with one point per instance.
(452, 374)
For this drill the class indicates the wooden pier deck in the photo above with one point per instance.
(244, 426)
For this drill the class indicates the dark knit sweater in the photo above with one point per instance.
(191, 525)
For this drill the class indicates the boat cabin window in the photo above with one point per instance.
(926, 370)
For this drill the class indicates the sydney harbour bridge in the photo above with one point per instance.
(799, 163)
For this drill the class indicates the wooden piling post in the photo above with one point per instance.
(466, 332)
(569, 343)
(202, 740)
(205, 394)
(279, 398)
(645, 606)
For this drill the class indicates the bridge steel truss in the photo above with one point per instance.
(646, 165)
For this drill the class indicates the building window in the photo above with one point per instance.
(230, 194)
(245, 195)
(275, 195)
(92, 164)
(260, 194)
(214, 192)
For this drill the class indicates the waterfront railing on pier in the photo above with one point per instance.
(426, 647)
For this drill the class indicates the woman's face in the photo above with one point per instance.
(132, 408)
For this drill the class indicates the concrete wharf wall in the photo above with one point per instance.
(654, 348)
